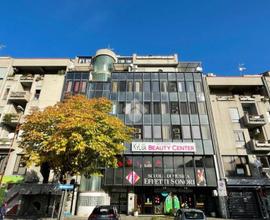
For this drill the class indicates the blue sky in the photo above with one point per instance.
(220, 33)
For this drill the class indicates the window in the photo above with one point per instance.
(166, 132)
(147, 132)
(198, 87)
(147, 108)
(114, 86)
(156, 108)
(172, 87)
(122, 86)
(157, 132)
(164, 108)
(68, 86)
(205, 132)
(146, 86)
(183, 108)
(239, 138)
(181, 86)
(129, 86)
(138, 86)
(37, 94)
(234, 114)
(174, 108)
(186, 132)
(20, 166)
(193, 108)
(201, 108)
(236, 166)
(155, 86)
(163, 86)
(176, 132)
(137, 132)
(83, 86)
(76, 87)
(196, 132)
(190, 87)
(121, 108)
(265, 161)
(6, 93)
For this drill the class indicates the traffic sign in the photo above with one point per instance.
(66, 186)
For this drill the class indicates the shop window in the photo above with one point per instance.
(234, 115)
(157, 132)
(68, 87)
(76, 86)
(200, 174)
(157, 160)
(118, 176)
(210, 170)
(166, 132)
(128, 161)
(163, 86)
(109, 173)
(172, 87)
(174, 108)
(236, 166)
(83, 86)
(137, 161)
(147, 132)
(92, 184)
(147, 162)
(176, 132)
(183, 108)
(193, 108)
(189, 170)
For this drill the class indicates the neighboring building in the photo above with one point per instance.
(172, 149)
(25, 84)
(240, 107)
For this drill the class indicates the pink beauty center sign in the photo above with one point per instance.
(163, 147)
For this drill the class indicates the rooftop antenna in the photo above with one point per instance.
(242, 68)
(109, 47)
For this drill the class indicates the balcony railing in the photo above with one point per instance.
(5, 142)
(19, 96)
(254, 120)
(257, 145)
(11, 119)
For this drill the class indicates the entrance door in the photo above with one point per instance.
(119, 200)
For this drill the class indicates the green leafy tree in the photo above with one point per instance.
(76, 136)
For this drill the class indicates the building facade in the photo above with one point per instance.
(172, 149)
(240, 107)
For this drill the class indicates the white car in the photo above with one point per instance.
(185, 214)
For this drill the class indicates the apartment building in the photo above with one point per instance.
(240, 107)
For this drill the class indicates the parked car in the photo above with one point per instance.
(185, 214)
(105, 212)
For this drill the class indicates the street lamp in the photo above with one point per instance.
(13, 138)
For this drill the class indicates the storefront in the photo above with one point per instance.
(152, 178)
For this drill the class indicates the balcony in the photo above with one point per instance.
(5, 143)
(11, 119)
(260, 146)
(19, 97)
(252, 121)
(27, 80)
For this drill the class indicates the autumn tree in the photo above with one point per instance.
(76, 136)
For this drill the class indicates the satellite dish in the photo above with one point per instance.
(199, 69)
